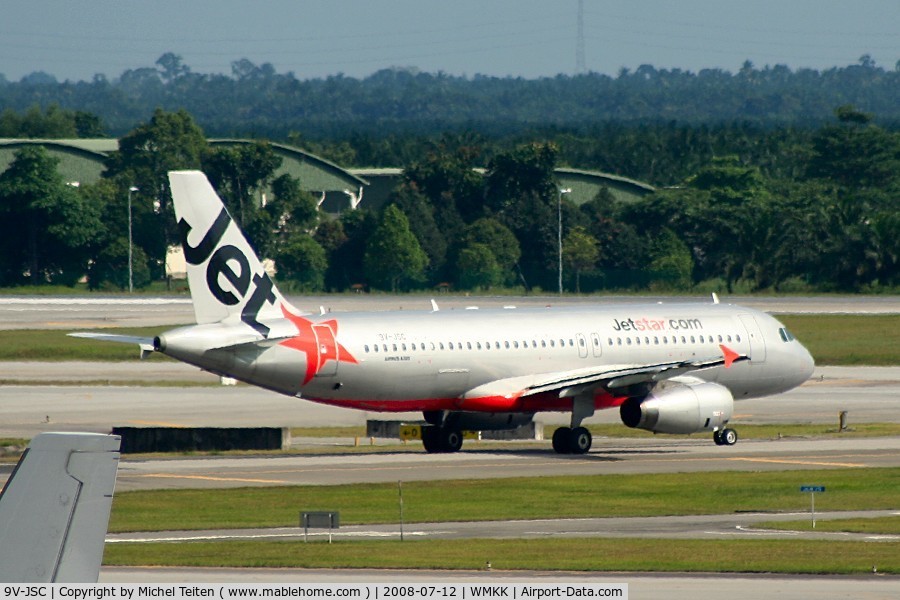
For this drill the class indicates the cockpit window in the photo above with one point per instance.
(786, 336)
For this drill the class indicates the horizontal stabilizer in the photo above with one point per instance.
(145, 343)
(54, 510)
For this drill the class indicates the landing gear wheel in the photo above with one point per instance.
(729, 437)
(431, 439)
(580, 440)
(451, 440)
(717, 438)
(441, 439)
(561, 440)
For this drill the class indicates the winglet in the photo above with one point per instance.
(729, 355)
(54, 509)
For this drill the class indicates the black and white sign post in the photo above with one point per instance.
(812, 489)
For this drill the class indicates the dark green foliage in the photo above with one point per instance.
(393, 257)
(46, 226)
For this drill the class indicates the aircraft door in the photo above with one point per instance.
(327, 350)
(596, 345)
(582, 345)
(756, 339)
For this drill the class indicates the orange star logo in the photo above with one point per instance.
(318, 341)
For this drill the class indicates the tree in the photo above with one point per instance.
(522, 193)
(580, 252)
(168, 142)
(422, 222)
(110, 267)
(302, 261)
(238, 172)
(393, 255)
(671, 261)
(46, 226)
(477, 268)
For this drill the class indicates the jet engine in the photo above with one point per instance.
(680, 408)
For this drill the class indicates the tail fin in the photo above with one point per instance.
(54, 510)
(227, 280)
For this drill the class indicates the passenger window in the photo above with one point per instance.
(628, 341)
(738, 338)
(367, 348)
(515, 344)
(506, 343)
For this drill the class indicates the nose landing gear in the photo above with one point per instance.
(725, 437)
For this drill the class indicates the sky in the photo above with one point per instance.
(75, 40)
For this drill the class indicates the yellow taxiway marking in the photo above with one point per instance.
(210, 478)
(810, 463)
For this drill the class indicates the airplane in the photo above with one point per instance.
(668, 368)
(54, 509)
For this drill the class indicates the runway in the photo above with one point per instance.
(868, 394)
(613, 456)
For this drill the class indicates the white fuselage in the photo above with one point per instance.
(410, 360)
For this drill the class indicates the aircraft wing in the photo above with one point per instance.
(611, 378)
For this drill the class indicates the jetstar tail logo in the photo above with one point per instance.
(318, 341)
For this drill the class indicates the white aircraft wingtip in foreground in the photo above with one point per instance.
(671, 368)
(54, 509)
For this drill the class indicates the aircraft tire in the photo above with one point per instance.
(717, 438)
(451, 440)
(561, 440)
(729, 437)
(431, 439)
(580, 441)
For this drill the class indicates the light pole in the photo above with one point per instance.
(130, 244)
(559, 231)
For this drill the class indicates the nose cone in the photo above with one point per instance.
(803, 363)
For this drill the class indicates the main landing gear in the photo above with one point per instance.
(438, 439)
(568, 440)
(575, 439)
(725, 437)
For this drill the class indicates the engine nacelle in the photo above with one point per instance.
(680, 408)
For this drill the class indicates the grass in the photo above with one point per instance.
(516, 498)
(571, 554)
(55, 345)
(875, 525)
(848, 339)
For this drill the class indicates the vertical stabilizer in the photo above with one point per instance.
(227, 280)
(54, 510)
